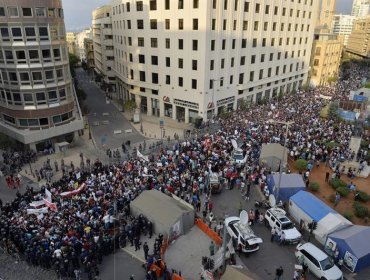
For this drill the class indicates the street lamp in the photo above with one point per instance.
(287, 124)
(213, 93)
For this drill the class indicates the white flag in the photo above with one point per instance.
(140, 155)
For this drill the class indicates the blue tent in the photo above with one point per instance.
(304, 205)
(347, 115)
(360, 98)
(290, 185)
(353, 244)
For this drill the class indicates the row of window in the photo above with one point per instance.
(50, 97)
(252, 77)
(263, 42)
(28, 12)
(26, 78)
(195, 5)
(153, 24)
(31, 56)
(31, 33)
(38, 122)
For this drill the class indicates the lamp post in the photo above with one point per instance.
(287, 124)
(213, 93)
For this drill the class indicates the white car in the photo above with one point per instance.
(318, 263)
(243, 234)
(238, 156)
(276, 217)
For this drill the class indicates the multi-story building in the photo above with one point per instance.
(360, 8)
(72, 43)
(342, 26)
(80, 38)
(325, 58)
(38, 104)
(326, 49)
(359, 40)
(103, 45)
(89, 50)
(184, 59)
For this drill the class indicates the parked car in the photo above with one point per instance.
(276, 217)
(317, 262)
(238, 157)
(242, 234)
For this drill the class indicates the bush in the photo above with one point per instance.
(348, 215)
(332, 198)
(360, 210)
(343, 191)
(337, 183)
(300, 164)
(363, 196)
(314, 186)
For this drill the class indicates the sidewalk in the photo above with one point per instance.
(151, 128)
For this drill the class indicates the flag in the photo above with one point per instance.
(37, 204)
(37, 211)
(50, 205)
(140, 155)
(48, 195)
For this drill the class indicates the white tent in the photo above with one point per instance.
(330, 223)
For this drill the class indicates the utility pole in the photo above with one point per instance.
(287, 124)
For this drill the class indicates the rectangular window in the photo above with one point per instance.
(167, 4)
(13, 12)
(142, 58)
(244, 43)
(224, 44)
(168, 62)
(195, 45)
(213, 24)
(181, 82)
(242, 60)
(43, 33)
(246, 7)
(212, 65)
(214, 4)
(251, 76)
(17, 32)
(193, 83)
(225, 4)
(168, 79)
(213, 43)
(181, 44)
(224, 24)
(223, 63)
(180, 4)
(167, 24)
(195, 24)
(181, 24)
(27, 12)
(168, 43)
(153, 24)
(255, 26)
(140, 41)
(155, 78)
(128, 8)
(254, 43)
(140, 24)
(2, 12)
(181, 63)
(233, 44)
(261, 74)
(195, 4)
(153, 42)
(153, 5)
(232, 62)
(194, 64)
(142, 76)
(37, 77)
(139, 6)
(154, 60)
(257, 8)
(51, 12)
(245, 25)
(241, 78)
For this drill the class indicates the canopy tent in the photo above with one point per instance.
(330, 223)
(290, 184)
(272, 154)
(353, 245)
(169, 215)
(307, 207)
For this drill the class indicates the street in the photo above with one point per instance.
(105, 118)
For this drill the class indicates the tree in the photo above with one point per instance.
(130, 105)
(333, 110)
(300, 164)
(332, 79)
(73, 61)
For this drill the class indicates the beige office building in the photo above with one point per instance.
(89, 50)
(188, 58)
(72, 43)
(359, 40)
(38, 104)
(103, 45)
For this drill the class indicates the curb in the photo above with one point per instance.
(133, 255)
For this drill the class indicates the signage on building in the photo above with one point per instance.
(225, 100)
(210, 105)
(166, 99)
(161, 123)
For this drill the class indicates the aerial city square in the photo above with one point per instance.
(184, 139)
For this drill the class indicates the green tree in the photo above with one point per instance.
(73, 61)
(332, 79)
(300, 164)
(333, 110)
(130, 105)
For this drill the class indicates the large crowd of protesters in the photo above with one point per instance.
(88, 214)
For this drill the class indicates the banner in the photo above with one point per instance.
(37, 204)
(350, 261)
(37, 211)
(52, 206)
(140, 155)
(74, 192)
(48, 195)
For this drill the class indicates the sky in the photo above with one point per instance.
(77, 13)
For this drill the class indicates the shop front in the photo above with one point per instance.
(144, 105)
(193, 115)
(225, 105)
(168, 108)
(155, 107)
(180, 113)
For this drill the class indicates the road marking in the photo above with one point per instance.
(105, 114)
(128, 130)
(118, 131)
(105, 122)
(133, 255)
(95, 123)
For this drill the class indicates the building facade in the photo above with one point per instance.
(72, 43)
(103, 46)
(184, 59)
(89, 50)
(360, 8)
(326, 13)
(325, 58)
(342, 26)
(80, 39)
(359, 40)
(38, 104)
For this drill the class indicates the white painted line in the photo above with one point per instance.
(128, 131)
(118, 131)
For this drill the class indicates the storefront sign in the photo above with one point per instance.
(166, 99)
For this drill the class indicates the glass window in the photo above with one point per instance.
(56, 53)
(51, 12)
(21, 55)
(27, 97)
(33, 122)
(2, 12)
(43, 32)
(9, 56)
(52, 94)
(17, 32)
(44, 121)
(40, 96)
(27, 12)
(62, 93)
(33, 54)
(24, 76)
(4, 33)
(40, 12)
(30, 32)
(49, 75)
(57, 119)
(36, 76)
(13, 11)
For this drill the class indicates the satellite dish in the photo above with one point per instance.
(244, 217)
(272, 200)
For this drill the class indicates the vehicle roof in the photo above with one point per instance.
(245, 231)
(313, 250)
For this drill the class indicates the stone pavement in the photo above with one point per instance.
(185, 254)
(355, 144)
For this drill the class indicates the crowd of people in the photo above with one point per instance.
(87, 214)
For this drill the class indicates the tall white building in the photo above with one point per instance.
(103, 45)
(184, 59)
(360, 8)
(80, 39)
(342, 25)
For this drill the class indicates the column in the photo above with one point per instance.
(32, 146)
(186, 115)
(150, 107)
(161, 108)
(174, 112)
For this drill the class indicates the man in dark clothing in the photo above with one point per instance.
(146, 250)
(327, 176)
(150, 228)
(279, 273)
(137, 243)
